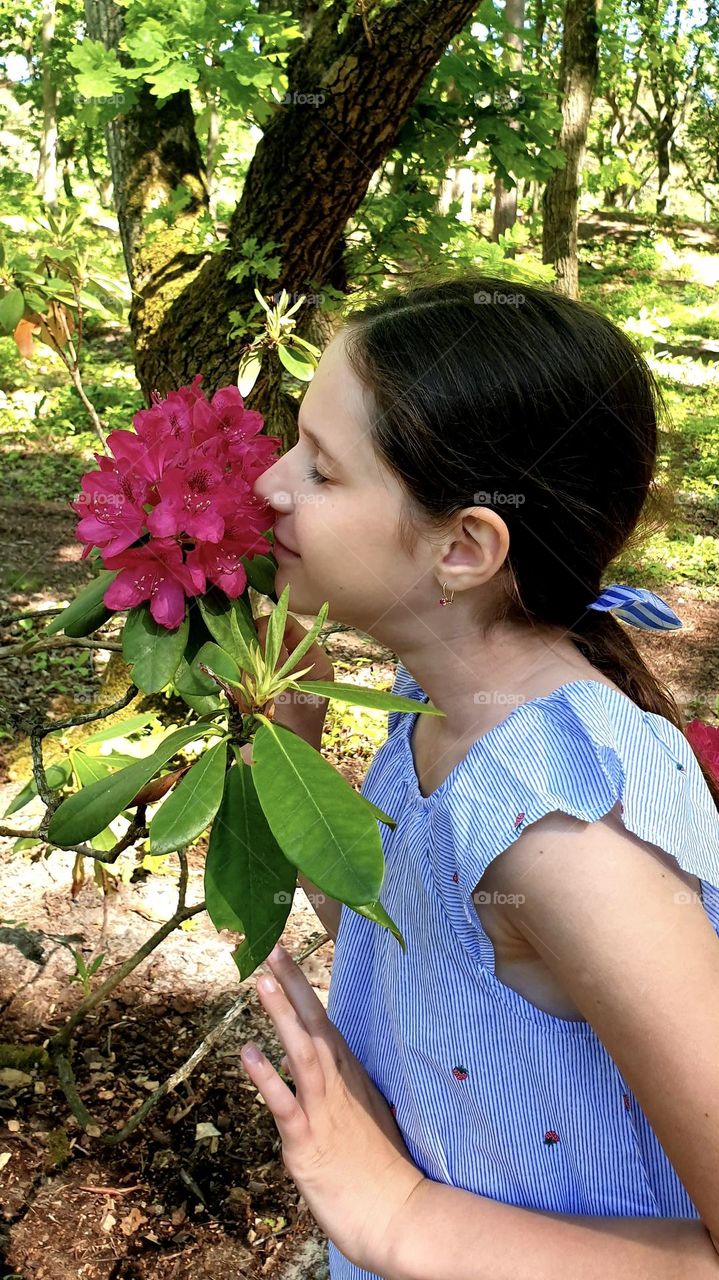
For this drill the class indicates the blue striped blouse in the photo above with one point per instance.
(491, 1093)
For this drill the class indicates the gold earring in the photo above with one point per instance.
(444, 599)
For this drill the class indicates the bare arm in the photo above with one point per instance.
(328, 909)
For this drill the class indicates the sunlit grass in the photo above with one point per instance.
(664, 294)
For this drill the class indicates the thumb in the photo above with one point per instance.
(246, 752)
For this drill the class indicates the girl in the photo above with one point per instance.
(532, 1088)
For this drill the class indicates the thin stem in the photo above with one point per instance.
(58, 642)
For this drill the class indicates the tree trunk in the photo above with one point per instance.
(665, 133)
(308, 175)
(505, 197)
(152, 149)
(46, 182)
(578, 74)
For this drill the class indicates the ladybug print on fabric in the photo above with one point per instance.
(455, 877)
(625, 1098)
(551, 1138)
(460, 1073)
(519, 820)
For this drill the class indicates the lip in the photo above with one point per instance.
(286, 550)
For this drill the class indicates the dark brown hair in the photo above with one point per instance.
(505, 394)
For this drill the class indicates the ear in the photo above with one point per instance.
(477, 551)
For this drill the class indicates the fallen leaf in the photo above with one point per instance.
(14, 1079)
(4, 1157)
(109, 1221)
(206, 1130)
(132, 1222)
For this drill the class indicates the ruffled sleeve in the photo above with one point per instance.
(582, 750)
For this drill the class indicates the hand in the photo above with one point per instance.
(340, 1142)
(307, 716)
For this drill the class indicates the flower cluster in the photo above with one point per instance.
(704, 739)
(173, 508)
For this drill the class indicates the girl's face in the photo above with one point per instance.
(341, 525)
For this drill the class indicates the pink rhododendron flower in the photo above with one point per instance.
(704, 739)
(173, 507)
(155, 572)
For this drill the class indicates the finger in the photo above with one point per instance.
(305, 1065)
(308, 1005)
(246, 753)
(295, 985)
(289, 1116)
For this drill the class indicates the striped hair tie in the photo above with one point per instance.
(637, 606)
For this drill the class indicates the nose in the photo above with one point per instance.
(268, 488)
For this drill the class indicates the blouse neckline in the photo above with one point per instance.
(475, 748)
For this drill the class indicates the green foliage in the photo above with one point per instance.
(87, 611)
(151, 651)
(249, 883)
(87, 812)
(192, 804)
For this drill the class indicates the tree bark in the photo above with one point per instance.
(578, 75)
(309, 173)
(46, 183)
(153, 149)
(665, 134)
(505, 197)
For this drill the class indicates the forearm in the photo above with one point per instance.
(450, 1234)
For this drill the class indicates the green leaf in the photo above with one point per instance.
(192, 804)
(218, 611)
(86, 612)
(100, 72)
(218, 661)
(276, 630)
(88, 769)
(173, 79)
(151, 650)
(261, 573)
(197, 690)
(379, 699)
(89, 811)
(375, 911)
(318, 820)
(249, 884)
(249, 372)
(12, 309)
(122, 728)
(296, 363)
(57, 775)
(293, 659)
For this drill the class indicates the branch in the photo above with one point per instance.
(58, 642)
(40, 731)
(136, 831)
(213, 1037)
(8, 618)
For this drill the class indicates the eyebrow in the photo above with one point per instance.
(310, 435)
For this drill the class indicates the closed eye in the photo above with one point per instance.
(316, 476)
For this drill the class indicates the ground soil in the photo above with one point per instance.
(170, 1203)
